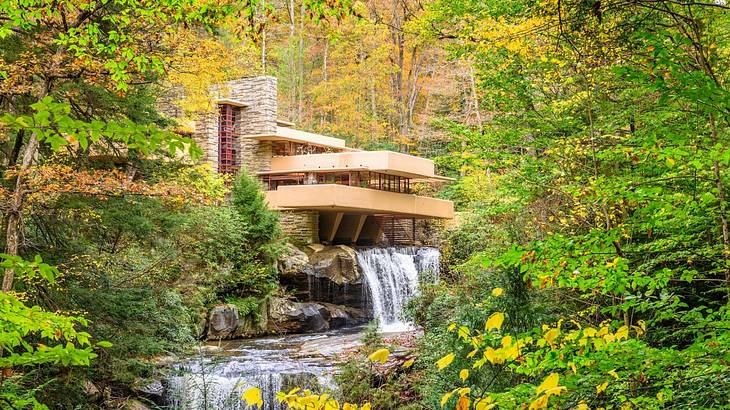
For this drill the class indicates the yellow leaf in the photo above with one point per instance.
(484, 404)
(252, 397)
(511, 352)
(550, 382)
(408, 363)
(451, 327)
(506, 341)
(331, 404)
(495, 321)
(463, 403)
(670, 162)
(540, 403)
(613, 373)
(601, 387)
(445, 361)
(622, 333)
(497, 292)
(365, 406)
(583, 406)
(464, 374)
(551, 335)
(446, 398)
(491, 355)
(472, 353)
(380, 355)
(464, 332)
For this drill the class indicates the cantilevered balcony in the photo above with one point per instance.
(356, 200)
(375, 183)
(386, 162)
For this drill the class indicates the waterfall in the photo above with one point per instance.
(393, 275)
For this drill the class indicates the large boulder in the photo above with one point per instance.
(293, 261)
(296, 317)
(336, 263)
(252, 326)
(222, 321)
(288, 316)
(154, 389)
(340, 316)
(328, 274)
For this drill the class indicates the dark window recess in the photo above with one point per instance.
(229, 119)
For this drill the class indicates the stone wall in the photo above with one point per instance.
(302, 227)
(259, 94)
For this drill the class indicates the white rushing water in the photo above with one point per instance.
(217, 381)
(393, 275)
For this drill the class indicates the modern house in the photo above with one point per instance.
(326, 191)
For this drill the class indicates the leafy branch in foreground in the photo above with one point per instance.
(31, 336)
(52, 123)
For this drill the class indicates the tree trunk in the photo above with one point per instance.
(14, 227)
(15, 221)
(474, 95)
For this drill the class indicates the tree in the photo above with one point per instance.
(109, 44)
(248, 200)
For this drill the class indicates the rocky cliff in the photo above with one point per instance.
(321, 288)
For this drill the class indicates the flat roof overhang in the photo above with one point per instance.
(387, 162)
(230, 101)
(343, 198)
(302, 137)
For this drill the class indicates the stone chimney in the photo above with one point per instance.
(258, 99)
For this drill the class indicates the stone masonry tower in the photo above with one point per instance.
(248, 106)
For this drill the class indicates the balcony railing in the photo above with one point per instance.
(361, 179)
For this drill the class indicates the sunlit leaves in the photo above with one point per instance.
(445, 361)
(485, 403)
(29, 270)
(494, 322)
(32, 336)
(252, 397)
(298, 399)
(113, 39)
(464, 374)
(497, 292)
(380, 356)
(550, 382)
(549, 387)
(52, 123)
(46, 183)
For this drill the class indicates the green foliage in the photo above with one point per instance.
(598, 187)
(247, 306)
(248, 200)
(33, 336)
(146, 270)
(52, 123)
(371, 338)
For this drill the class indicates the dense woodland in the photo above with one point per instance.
(588, 267)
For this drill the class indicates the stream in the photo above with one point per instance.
(216, 377)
